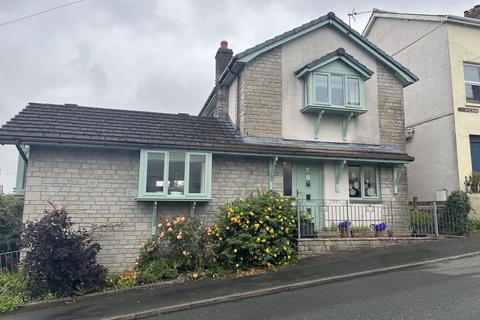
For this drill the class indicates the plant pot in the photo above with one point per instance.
(379, 234)
(344, 232)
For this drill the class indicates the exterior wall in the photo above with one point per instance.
(464, 47)
(296, 125)
(390, 109)
(99, 187)
(428, 102)
(261, 96)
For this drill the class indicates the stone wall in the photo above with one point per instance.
(261, 96)
(315, 247)
(99, 187)
(390, 108)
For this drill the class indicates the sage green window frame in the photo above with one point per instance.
(310, 91)
(21, 178)
(364, 197)
(186, 196)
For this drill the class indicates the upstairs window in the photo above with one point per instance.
(336, 90)
(174, 175)
(472, 83)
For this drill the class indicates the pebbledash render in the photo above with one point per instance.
(316, 112)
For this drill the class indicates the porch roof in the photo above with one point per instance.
(86, 126)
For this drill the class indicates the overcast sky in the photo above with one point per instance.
(155, 55)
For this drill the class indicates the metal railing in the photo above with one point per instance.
(341, 218)
(10, 261)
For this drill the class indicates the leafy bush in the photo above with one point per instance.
(256, 232)
(10, 222)
(59, 259)
(127, 278)
(454, 217)
(474, 226)
(420, 218)
(178, 248)
(159, 269)
(13, 291)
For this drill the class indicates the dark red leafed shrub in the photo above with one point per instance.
(59, 259)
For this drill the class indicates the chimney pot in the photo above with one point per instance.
(224, 44)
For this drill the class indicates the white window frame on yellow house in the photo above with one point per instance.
(471, 82)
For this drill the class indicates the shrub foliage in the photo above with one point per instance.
(10, 222)
(454, 218)
(256, 232)
(59, 259)
(13, 291)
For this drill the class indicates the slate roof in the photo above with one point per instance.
(78, 125)
(338, 52)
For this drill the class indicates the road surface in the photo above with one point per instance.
(449, 290)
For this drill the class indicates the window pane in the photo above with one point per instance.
(337, 90)
(155, 170)
(354, 186)
(370, 181)
(472, 73)
(176, 173)
(475, 153)
(287, 179)
(197, 174)
(321, 88)
(472, 93)
(353, 92)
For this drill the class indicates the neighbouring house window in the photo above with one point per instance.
(334, 90)
(287, 179)
(174, 175)
(363, 182)
(475, 153)
(472, 83)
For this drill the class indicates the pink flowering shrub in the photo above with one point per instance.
(179, 247)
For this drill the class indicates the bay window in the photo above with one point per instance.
(174, 175)
(335, 90)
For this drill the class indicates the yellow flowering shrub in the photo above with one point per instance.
(259, 231)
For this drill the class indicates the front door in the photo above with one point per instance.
(307, 186)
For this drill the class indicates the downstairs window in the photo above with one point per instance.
(363, 182)
(174, 175)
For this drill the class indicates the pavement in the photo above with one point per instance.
(142, 303)
(439, 291)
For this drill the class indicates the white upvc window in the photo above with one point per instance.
(174, 175)
(472, 82)
(363, 182)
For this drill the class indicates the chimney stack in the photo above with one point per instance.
(473, 13)
(222, 58)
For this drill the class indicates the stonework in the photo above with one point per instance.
(260, 113)
(315, 247)
(99, 187)
(390, 108)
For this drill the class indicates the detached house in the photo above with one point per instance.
(316, 112)
(442, 110)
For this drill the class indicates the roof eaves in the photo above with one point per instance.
(207, 106)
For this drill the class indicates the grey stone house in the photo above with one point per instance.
(316, 112)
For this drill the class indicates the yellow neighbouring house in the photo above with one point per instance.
(442, 109)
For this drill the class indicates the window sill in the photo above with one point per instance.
(472, 105)
(366, 201)
(334, 110)
(174, 199)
